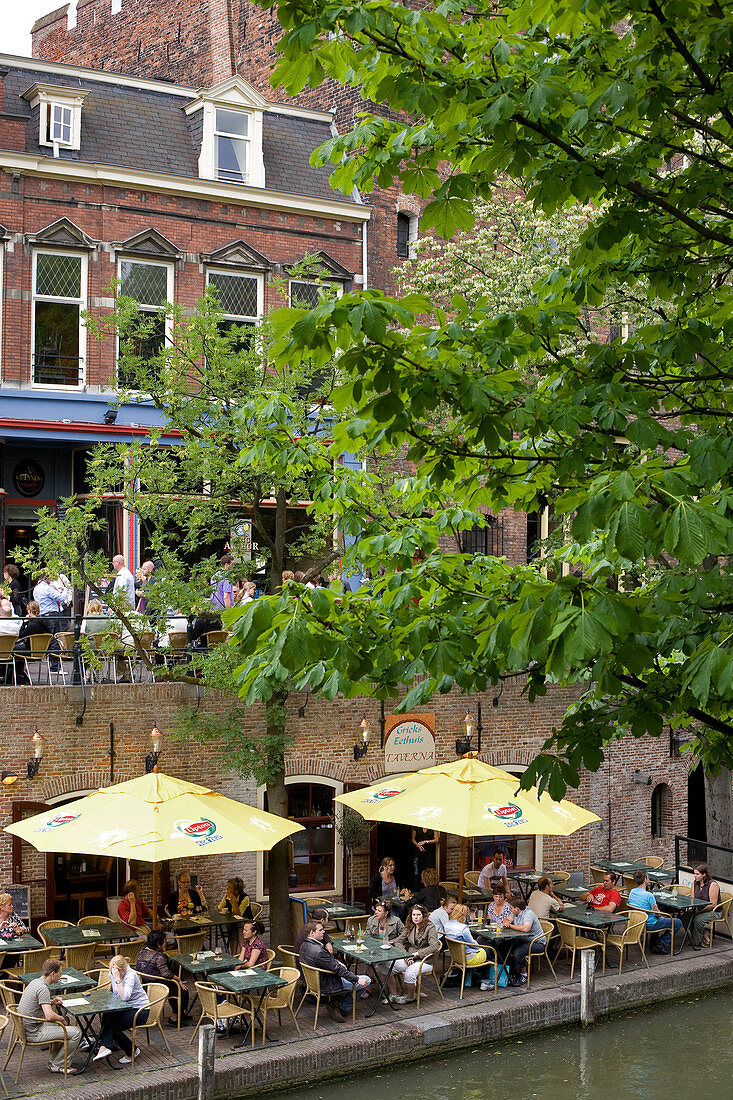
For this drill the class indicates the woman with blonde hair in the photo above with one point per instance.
(457, 929)
(128, 987)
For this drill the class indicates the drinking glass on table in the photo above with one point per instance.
(217, 951)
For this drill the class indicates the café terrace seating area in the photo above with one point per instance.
(288, 1008)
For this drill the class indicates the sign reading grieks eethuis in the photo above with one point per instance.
(409, 742)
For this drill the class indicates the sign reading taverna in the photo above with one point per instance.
(409, 742)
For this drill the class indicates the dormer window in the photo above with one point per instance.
(231, 132)
(232, 139)
(59, 115)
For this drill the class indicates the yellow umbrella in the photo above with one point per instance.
(151, 818)
(468, 798)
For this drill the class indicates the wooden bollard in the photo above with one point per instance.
(207, 1036)
(587, 987)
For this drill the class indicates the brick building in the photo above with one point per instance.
(125, 154)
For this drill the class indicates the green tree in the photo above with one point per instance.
(623, 109)
(238, 443)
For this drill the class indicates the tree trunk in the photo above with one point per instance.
(279, 858)
(719, 815)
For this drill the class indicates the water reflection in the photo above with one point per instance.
(642, 1054)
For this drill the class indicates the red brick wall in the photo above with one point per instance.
(193, 42)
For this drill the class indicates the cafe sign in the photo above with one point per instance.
(409, 742)
(28, 477)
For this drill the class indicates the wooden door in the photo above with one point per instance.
(32, 868)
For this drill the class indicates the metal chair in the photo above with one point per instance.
(655, 862)
(38, 653)
(632, 934)
(213, 1010)
(158, 996)
(654, 931)
(19, 1022)
(46, 924)
(426, 959)
(281, 998)
(312, 979)
(7, 657)
(571, 942)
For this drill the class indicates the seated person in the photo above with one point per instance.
(174, 624)
(383, 923)
(442, 914)
(9, 622)
(126, 984)
(605, 897)
(494, 871)
(339, 979)
(542, 901)
(457, 929)
(95, 621)
(236, 900)
(254, 952)
(132, 910)
(431, 895)
(10, 925)
(706, 889)
(524, 920)
(420, 939)
(45, 1027)
(187, 899)
(641, 897)
(499, 910)
(154, 963)
(317, 915)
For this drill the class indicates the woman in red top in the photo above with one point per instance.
(132, 909)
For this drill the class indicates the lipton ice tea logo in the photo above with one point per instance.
(507, 812)
(381, 795)
(56, 822)
(200, 832)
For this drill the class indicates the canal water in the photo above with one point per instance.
(680, 1048)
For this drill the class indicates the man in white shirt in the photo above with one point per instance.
(441, 915)
(124, 581)
(495, 871)
(8, 623)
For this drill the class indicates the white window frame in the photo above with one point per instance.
(246, 138)
(81, 302)
(232, 94)
(48, 97)
(412, 232)
(338, 848)
(243, 274)
(169, 293)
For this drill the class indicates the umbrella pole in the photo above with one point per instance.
(155, 895)
(461, 873)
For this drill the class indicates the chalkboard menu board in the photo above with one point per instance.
(21, 902)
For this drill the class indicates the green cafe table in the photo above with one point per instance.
(679, 905)
(87, 1010)
(338, 910)
(627, 869)
(245, 983)
(590, 918)
(104, 932)
(527, 881)
(374, 952)
(214, 924)
(71, 981)
(19, 944)
(204, 962)
(572, 893)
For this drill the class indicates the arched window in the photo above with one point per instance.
(661, 810)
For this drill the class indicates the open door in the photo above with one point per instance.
(32, 868)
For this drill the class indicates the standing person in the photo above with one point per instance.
(132, 910)
(338, 979)
(641, 897)
(605, 897)
(524, 920)
(424, 842)
(187, 899)
(47, 1025)
(706, 889)
(543, 901)
(11, 574)
(384, 884)
(222, 595)
(128, 987)
(124, 582)
(420, 939)
(146, 577)
(494, 871)
(49, 600)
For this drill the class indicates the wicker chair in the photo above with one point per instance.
(102, 977)
(683, 890)
(188, 945)
(81, 957)
(269, 960)
(46, 924)
(354, 925)
(596, 874)
(256, 910)
(472, 877)
(431, 960)
(281, 998)
(720, 913)
(213, 1010)
(11, 991)
(22, 1039)
(655, 862)
(287, 954)
(450, 887)
(7, 658)
(571, 941)
(84, 921)
(457, 951)
(158, 995)
(654, 931)
(215, 637)
(548, 931)
(632, 934)
(39, 644)
(312, 979)
(32, 961)
(3, 1024)
(563, 876)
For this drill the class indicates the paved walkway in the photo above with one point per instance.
(334, 1049)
